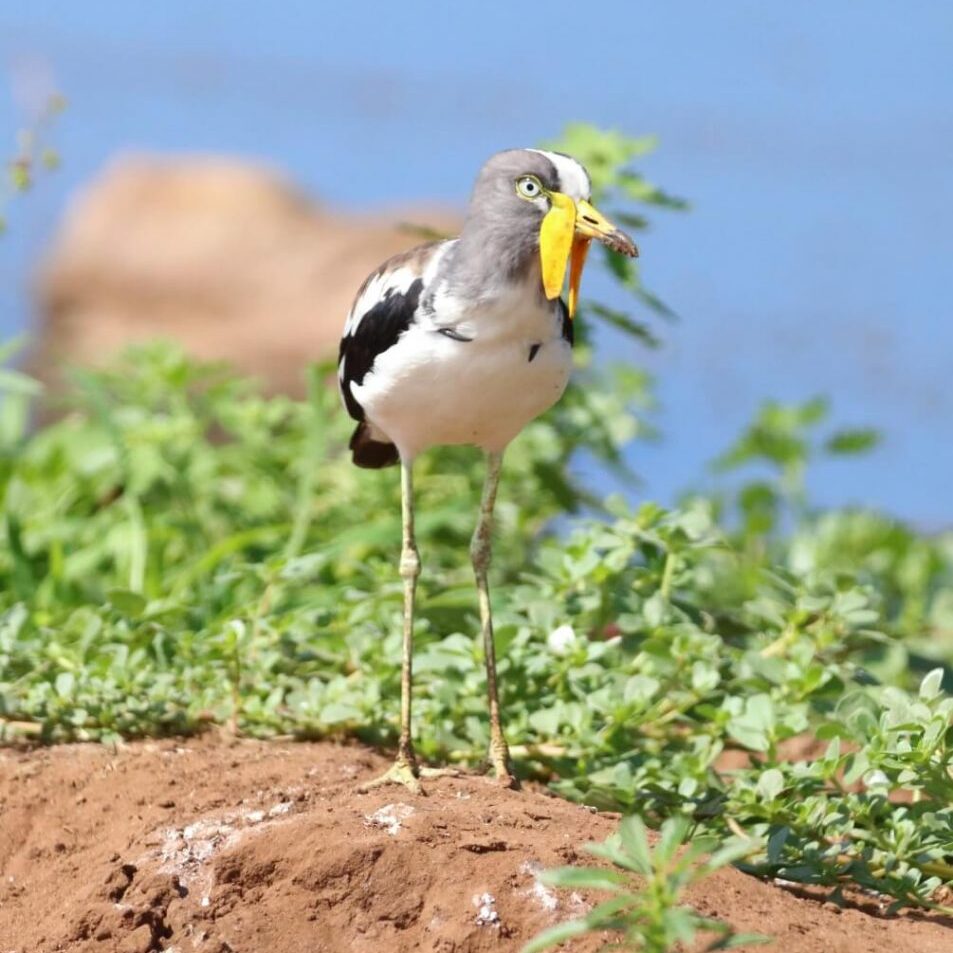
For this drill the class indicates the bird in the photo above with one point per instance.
(465, 341)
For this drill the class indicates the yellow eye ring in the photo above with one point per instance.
(529, 187)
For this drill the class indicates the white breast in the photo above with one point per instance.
(429, 389)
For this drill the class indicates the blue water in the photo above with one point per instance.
(815, 141)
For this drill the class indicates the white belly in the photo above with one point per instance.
(429, 389)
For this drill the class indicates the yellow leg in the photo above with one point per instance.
(480, 554)
(404, 769)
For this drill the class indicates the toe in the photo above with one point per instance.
(401, 772)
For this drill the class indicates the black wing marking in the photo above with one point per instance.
(568, 331)
(376, 331)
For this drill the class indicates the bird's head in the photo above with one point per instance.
(542, 198)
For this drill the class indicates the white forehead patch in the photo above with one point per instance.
(573, 178)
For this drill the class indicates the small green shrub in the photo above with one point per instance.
(644, 909)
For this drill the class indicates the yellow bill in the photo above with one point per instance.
(564, 239)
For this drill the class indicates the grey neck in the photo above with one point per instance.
(488, 259)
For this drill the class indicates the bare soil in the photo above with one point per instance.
(216, 846)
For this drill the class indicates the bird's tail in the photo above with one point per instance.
(370, 452)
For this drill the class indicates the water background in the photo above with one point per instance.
(815, 141)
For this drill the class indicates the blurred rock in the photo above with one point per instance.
(223, 256)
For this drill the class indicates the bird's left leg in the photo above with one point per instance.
(480, 554)
(404, 769)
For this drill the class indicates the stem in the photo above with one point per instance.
(304, 492)
(138, 546)
(668, 570)
(235, 679)
(778, 646)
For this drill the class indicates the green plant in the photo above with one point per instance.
(618, 187)
(645, 908)
(33, 153)
(782, 440)
(177, 550)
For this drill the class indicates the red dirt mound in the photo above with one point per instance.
(210, 846)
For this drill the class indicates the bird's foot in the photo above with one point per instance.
(402, 771)
(502, 769)
(408, 773)
(504, 778)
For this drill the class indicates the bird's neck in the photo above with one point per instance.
(489, 262)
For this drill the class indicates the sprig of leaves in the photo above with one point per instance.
(33, 154)
(646, 884)
(618, 187)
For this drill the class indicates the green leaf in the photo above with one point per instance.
(654, 609)
(634, 839)
(739, 939)
(672, 835)
(731, 852)
(931, 686)
(770, 784)
(127, 602)
(636, 187)
(583, 878)
(13, 382)
(546, 721)
(12, 346)
(625, 323)
(776, 844)
(64, 684)
(340, 712)
(855, 441)
(556, 935)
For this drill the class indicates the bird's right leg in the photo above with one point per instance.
(404, 769)
(480, 552)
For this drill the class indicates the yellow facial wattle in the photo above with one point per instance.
(577, 261)
(555, 243)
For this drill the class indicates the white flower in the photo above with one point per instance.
(561, 640)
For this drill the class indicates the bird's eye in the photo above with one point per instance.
(528, 186)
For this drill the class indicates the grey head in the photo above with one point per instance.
(501, 231)
(497, 197)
